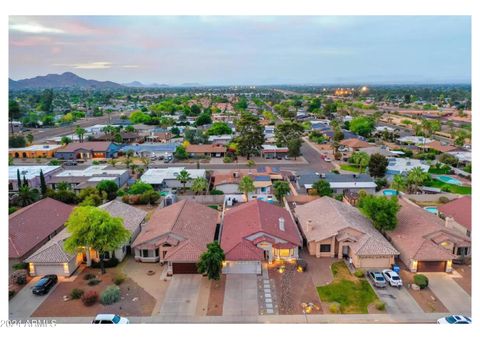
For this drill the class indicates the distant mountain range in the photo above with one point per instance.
(139, 84)
(64, 80)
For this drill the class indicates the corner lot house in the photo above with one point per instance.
(425, 244)
(31, 174)
(342, 183)
(31, 227)
(336, 229)
(458, 215)
(214, 151)
(52, 258)
(34, 151)
(178, 235)
(258, 231)
(87, 150)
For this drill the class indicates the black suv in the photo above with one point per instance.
(45, 284)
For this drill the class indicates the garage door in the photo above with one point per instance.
(431, 266)
(41, 270)
(374, 262)
(184, 268)
(242, 267)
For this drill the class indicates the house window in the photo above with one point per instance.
(284, 252)
(145, 253)
(462, 251)
(157, 252)
(325, 248)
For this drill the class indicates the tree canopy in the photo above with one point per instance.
(382, 211)
(211, 261)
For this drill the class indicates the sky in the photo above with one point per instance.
(252, 50)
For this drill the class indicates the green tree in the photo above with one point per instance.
(211, 261)
(280, 189)
(140, 187)
(29, 138)
(322, 187)
(19, 180)
(27, 195)
(65, 140)
(377, 166)
(294, 147)
(110, 188)
(398, 183)
(80, 132)
(93, 228)
(362, 125)
(286, 132)
(16, 141)
(43, 184)
(181, 153)
(246, 185)
(219, 128)
(184, 177)
(415, 178)
(199, 185)
(251, 137)
(361, 159)
(203, 119)
(138, 117)
(382, 211)
(146, 161)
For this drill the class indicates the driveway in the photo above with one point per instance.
(241, 295)
(182, 295)
(398, 300)
(25, 302)
(449, 292)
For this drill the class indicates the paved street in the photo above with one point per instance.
(398, 300)
(25, 302)
(182, 295)
(241, 295)
(450, 293)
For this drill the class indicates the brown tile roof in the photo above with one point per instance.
(131, 216)
(437, 145)
(183, 221)
(416, 231)
(53, 251)
(221, 177)
(31, 225)
(251, 218)
(459, 209)
(355, 143)
(326, 217)
(96, 146)
(206, 149)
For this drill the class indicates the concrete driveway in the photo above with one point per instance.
(182, 295)
(450, 293)
(398, 300)
(25, 302)
(241, 295)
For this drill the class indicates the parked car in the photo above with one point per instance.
(455, 319)
(45, 284)
(377, 279)
(110, 319)
(392, 278)
(328, 159)
(70, 163)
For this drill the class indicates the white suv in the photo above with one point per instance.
(110, 319)
(392, 278)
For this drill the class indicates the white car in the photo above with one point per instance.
(328, 159)
(110, 319)
(392, 278)
(455, 319)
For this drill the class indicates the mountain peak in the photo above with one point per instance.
(64, 80)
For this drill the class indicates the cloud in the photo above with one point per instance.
(89, 65)
(34, 28)
(130, 66)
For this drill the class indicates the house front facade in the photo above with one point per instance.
(87, 150)
(213, 150)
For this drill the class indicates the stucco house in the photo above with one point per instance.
(458, 215)
(177, 235)
(87, 150)
(336, 229)
(258, 231)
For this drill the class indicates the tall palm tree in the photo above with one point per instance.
(112, 162)
(146, 161)
(246, 185)
(415, 178)
(360, 159)
(398, 182)
(199, 185)
(63, 186)
(80, 132)
(27, 196)
(183, 177)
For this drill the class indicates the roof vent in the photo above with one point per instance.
(281, 224)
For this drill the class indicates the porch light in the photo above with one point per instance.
(31, 268)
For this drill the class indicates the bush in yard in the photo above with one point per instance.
(335, 308)
(443, 200)
(20, 266)
(89, 298)
(216, 192)
(379, 305)
(76, 293)
(112, 262)
(119, 279)
(420, 280)
(89, 276)
(93, 282)
(359, 273)
(110, 295)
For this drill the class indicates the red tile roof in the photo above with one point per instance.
(459, 209)
(355, 143)
(31, 225)
(206, 149)
(95, 146)
(437, 145)
(251, 218)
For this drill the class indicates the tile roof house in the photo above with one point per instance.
(354, 144)
(458, 214)
(425, 244)
(439, 147)
(177, 234)
(211, 150)
(31, 227)
(258, 231)
(336, 229)
(52, 258)
(87, 150)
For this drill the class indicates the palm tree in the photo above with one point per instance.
(127, 161)
(360, 159)
(199, 185)
(63, 186)
(281, 188)
(210, 262)
(112, 162)
(146, 161)
(415, 178)
(133, 167)
(246, 185)
(183, 177)
(250, 165)
(398, 182)
(80, 132)
(27, 196)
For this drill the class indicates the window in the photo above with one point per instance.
(145, 253)
(284, 252)
(157, 252)
(462, 251)
(325, 248)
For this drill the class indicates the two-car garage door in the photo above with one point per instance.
(184, 268)
(431, 266)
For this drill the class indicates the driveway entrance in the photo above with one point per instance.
(241, 295)
(450, 293)
(25, 302)
(398, 300)
(182, 295)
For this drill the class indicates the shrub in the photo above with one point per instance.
(120, 193)
(112, 262)
(443, 200)
(339, 197)
(119, 279)
(335, 308)
(95, 162)
(20, 266)
(379, 305)
(110, 295)
(76, 293)
(420, 280)
(11, 294)
(89, 276)
(94, 281)
(21, 279)
(216, 192)
(359, 273)
(335, 171)
(227, 160)
(89, 298)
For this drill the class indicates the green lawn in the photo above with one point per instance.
(351, 168)
(352, 293)
(434, 170)
(449, 187)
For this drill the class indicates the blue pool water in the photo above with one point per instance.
(433, 210)
(449, 180)
(389, 192)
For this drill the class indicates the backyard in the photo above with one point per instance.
(449, 187)
(351, 168)
(354, 295)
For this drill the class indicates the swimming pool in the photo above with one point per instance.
(389, 192)
(449, 180)
(431, 209)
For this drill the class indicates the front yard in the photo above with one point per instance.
(352, 294)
